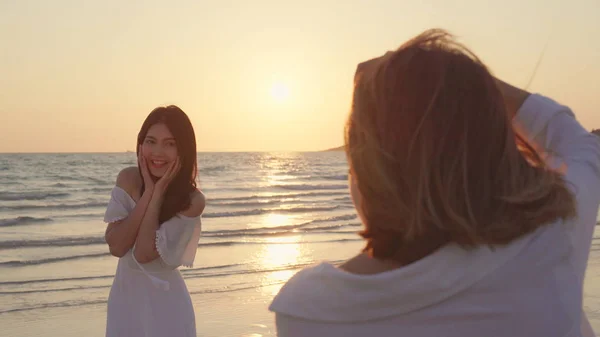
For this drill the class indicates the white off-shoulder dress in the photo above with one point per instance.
(151, 299)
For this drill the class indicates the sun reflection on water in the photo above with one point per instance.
(275, 220)
(279, 253)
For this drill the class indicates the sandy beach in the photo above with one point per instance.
(240, 313)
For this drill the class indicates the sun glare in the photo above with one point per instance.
(280, 255)
(280, 92)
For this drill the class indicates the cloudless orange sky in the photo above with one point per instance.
(81, 76)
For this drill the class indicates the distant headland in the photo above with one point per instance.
(339, 148)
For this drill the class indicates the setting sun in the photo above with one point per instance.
(280, 92)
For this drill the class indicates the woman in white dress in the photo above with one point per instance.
(153, 228)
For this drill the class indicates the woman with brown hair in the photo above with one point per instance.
(154, 225)
(478, 201)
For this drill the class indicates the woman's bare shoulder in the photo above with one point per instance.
(198, 203)
(130, 181)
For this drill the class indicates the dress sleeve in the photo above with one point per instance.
(554, 128)
(177, 240)
(119, 205)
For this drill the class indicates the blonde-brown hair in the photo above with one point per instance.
(435, 157)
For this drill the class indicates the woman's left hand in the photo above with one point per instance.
(162, 184)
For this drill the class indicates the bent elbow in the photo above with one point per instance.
(142, 258)
(592, 153)
(117, 252)
(586, 156)
(596, 147)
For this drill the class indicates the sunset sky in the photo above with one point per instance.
(81, 76)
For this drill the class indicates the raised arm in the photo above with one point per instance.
(145, 244)
(553, 128)
(121, 235)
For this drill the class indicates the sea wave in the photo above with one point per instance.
(53, 280)
(68, 242)
(256, 203)
(15, 196)
(269, 201)
(83, 215)
(96, 301)
(312, 226)
(51, 290)
(310, 187)
(336, 177)
(21, 263)
(22, 220)
(81, 279)
(81, 179)
(188, 273)
(64, 177)
(98, 181)
(278, 196)
(59, 185)
(260, 211)
(267, 231)
(232, 243)
(53, 207)
(211, 169)
(96, 189)
(54, 305)
(55, 242)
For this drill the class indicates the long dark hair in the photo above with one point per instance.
(178, 194)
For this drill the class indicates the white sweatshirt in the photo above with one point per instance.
(531, 287)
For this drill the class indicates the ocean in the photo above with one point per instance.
(267, 216)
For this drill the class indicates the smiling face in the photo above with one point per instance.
(159, 149)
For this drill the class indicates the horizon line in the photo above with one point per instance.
(205, 151)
